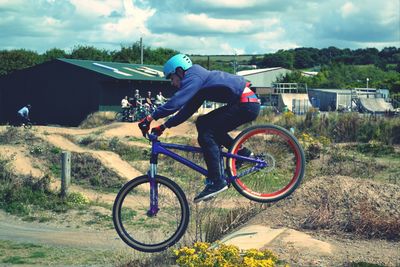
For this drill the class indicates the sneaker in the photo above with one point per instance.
(245, 152)
(210, 191)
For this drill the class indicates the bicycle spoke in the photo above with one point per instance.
(284, 160)
(142, 231)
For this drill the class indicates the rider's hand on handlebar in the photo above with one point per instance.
(144, 125)
(158, 130)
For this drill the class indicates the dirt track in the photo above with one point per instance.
(307, 248)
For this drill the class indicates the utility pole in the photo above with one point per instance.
(235, 64)
(141, 50)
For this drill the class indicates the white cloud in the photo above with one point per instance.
(200, 27)
(348, 9)
(217, 25)
(129, 27)
(228, 3)
(95, 8)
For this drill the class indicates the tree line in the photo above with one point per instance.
(337, 68)
(304, 58)
(12, 60)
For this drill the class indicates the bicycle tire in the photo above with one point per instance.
(119, 116)
(145, 233)
(284, 156)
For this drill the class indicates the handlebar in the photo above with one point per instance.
(151, 137)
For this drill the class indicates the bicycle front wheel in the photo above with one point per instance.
(282, 155)
(150, 233)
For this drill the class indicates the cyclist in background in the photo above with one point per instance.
(195, 85)
(23, 115)
(160, 99)
(125, 106)
(149, 102)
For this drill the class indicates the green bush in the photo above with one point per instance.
(98, 119)
(344, 127)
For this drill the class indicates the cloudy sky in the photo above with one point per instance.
(199, 26)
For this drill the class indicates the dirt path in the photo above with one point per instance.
(12, 228)
(108, 158)
(118, 129)
(300, 248)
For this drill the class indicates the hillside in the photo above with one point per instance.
(311, 228)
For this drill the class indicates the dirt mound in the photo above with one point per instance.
(359, 218)
(20, 161)
(366, 208)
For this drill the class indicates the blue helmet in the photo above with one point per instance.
(179, 60)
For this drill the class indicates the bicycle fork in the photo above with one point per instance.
(153, 209)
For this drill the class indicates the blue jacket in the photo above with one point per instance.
(199, 85)
(24, 112)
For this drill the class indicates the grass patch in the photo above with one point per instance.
(42, 255)
(15, 136)
(125, 151)
(25, 195)
(89, 171)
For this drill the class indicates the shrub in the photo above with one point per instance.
(87, 170)
(98, 119)
(202, 255)
(313, 146)
(87, 140)
(13, 135)
(375, 149)
(23, 195)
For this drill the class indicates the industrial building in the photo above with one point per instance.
(366, 100)
(281, 96)
(65, 91)
(262, 80)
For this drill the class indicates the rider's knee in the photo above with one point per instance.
(200, 123)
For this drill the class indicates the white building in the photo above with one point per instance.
(263, 78)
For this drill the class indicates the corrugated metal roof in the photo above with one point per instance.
(124, 71)
(251, 72)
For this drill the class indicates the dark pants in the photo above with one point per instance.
(21, 119)
(125, 112)
(213, 131)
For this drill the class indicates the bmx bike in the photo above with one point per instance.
(132, 115)
(26, 124)
(151, 212)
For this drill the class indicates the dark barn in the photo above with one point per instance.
(65, 91)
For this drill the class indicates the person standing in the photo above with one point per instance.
(160, 99)
(125, 106)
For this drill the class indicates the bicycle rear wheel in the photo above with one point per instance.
(284, 158)
(150, 233)
(119, 116)
(27, 125)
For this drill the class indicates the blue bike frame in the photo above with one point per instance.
(158, 147)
